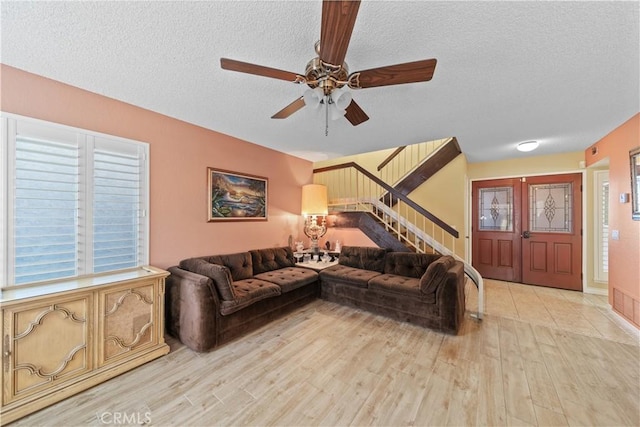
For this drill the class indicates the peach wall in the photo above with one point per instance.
(179, 155)
(624, 254)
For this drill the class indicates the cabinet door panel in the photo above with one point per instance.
(48, 344)
(129, 321)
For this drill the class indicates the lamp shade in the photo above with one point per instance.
(341, 98)
(313, 98)
(336, 113)
(314, 199)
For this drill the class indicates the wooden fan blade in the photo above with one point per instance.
(259, 70)
(410, 72)
(289, 109)
(355, 114)
(338, 18)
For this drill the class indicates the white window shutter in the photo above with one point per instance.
(72, 202)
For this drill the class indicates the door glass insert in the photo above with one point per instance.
(550, 208)
(496, 209)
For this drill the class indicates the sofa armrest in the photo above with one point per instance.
(451, 300)
(436, 273)
(219, 274)
(192, 308)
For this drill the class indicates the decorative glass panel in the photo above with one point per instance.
(550, 208)
(496, 209)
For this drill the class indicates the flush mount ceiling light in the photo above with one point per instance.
(528, 146)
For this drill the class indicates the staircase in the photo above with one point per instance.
(371, 226)
(424, 168)
(359, 199)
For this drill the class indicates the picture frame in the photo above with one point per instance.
(234, 196)
(634, 163)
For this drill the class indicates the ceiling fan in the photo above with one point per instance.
(327, 74)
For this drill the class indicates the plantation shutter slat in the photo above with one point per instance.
(117, 203)
(45, 210)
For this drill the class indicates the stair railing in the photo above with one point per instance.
(406, 158)
(352, 188)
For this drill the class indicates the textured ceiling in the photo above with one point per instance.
(562, 73)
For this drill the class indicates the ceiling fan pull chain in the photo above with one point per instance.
(326, 115)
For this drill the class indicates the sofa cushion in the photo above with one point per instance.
(270, 259)
(353, 276)
(289, 278)
(436, 274)
(247, 292)
(239, 264)
(363, 257)
(220, 275)
(408, 264)
(401, 285)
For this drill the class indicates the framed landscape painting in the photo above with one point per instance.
(236, 196)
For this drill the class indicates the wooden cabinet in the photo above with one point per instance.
(64, 338)
(127, 317)
(46, 343)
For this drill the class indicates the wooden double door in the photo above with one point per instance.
(529, 230)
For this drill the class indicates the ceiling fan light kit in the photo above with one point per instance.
(328, 74)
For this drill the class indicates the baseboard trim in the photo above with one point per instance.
(595, 291)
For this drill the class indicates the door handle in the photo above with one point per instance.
(525, 234)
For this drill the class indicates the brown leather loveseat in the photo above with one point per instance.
(212, 299)
(423, 289)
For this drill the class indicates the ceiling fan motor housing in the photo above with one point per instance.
(326, 76)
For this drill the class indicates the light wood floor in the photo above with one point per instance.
(540, 357)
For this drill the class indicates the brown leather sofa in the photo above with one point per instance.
(213, 299)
